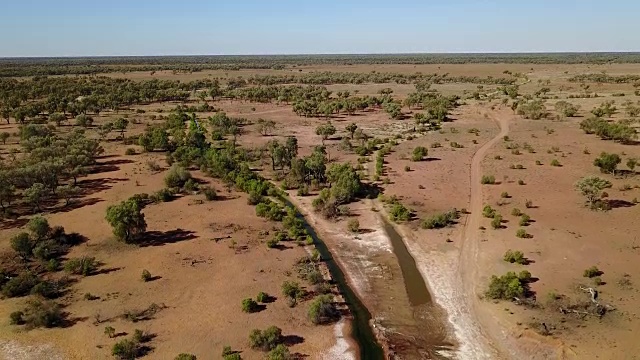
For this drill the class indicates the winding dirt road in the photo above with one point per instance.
(468, 264)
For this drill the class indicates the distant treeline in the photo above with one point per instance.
(604, 78)
(94, 65)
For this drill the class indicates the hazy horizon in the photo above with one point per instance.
(74, 28)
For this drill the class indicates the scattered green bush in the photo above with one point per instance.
(81, 266)
(177, 177)
(555, 163)
(249, 305)
(262, 297)
(522, 234)
(592, 272)
(353, 225)
(146, 275)
(419, 153)
(488, 180)
(442, 220)
(508, 286)
(496, 223)
(515, 257)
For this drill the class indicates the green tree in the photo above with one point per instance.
(127, 220)
(57, 118)
(591, 187)
(39, 227)
(266, 127)
(608, 163)
(121, 125)
(4, 136)
(419, 153)
(325, 131)
(34, 195)
(351, 128)
(22, 245)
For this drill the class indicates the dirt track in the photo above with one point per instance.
(468, 268)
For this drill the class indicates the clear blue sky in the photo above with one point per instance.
(162, 27)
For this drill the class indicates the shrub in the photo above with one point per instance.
(322, 310)
(496, 223)
(522, 234)
(505, 195)
(267, 339)
(20, 285)
(516, 212)
(435, 145)
(163, 195)
(46, 314)
(185, 356)
(262, 297)
(125, 349)
(46, 289)
(419, 153)
(177, 177)
(16, 318)
(22, 245)
(524, 220)
(521, 182)
(399, 213)
(249, 305)
(488, 211)
(555, 163)
(109, 331)
(280, 352)
(488, 179)
(515, 257)
(153, 166)
(528, 204)
(130, 151)
(353, 225)
(81, 266)
(592, 272)
(538, 162)
(146, 275)
(407, 168)
(292, 290)
(442, 220)
(608, 163)
(506, 287)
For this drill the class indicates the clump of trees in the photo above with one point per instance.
(606, 130)
(533, 109)
(441, 220)
(566, 109)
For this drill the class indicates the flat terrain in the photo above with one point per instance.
(207, 256)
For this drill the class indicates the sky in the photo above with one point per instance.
(215, 27)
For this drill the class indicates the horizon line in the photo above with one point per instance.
(600, 52)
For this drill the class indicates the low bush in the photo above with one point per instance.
(146, 275)
(524, 220)
(177, 177)
(496, 223)
(488, 180)
(130, 151)
(353, 225)
(514, 257)
(399, 213)
(442, 220)
(209, 193)
(81, 266)
(592, 272)
(249, 305)
(292, 290)
(522, 234)
(555, 163)
(488, 211)
(280, 352)
(262, 297)
(20, 285)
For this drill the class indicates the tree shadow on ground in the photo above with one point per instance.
(92, 186)
(291, 340)
(158, 238)
(615, 204)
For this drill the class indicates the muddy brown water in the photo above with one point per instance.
(427, 334)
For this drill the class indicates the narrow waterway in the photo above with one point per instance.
(413, 281)
(361, 330)
(429, 333)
